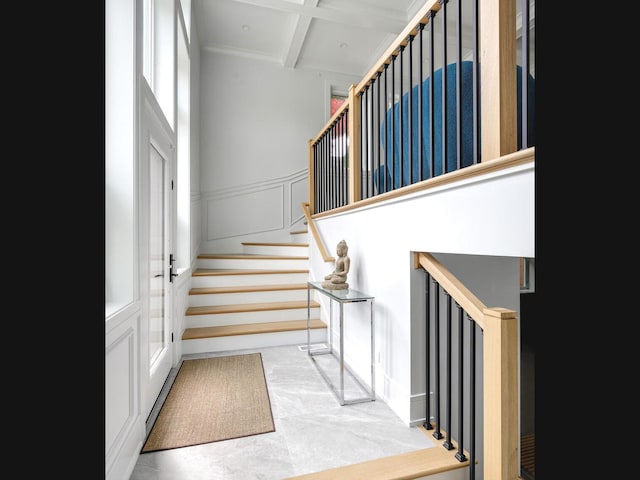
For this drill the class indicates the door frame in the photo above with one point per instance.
(155, 133)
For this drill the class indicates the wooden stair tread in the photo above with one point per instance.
(202, 272)
(249, 288)
(250, 256)
(250, 328)
(249, 307)
(276, 244)
(405, 466)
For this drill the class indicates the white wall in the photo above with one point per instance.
(484, 228)
(195, 170)
(256, 121)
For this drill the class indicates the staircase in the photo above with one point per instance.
(253, 299)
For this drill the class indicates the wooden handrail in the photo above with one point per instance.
(514, 159)
(461, 294)
(316, 235)
(422, 16)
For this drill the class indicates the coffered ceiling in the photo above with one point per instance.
(341, 36)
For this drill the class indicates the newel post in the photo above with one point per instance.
(500, 394)
(312, 179)
(499, 129)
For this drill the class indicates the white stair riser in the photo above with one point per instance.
(252, 263)
(297, 251)
(247, 297)
(239, 318)
(253, 279)
(238, 342)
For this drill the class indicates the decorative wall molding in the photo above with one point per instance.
(299, 193)
(266, 206)
(123, 421)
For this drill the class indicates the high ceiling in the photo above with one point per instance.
(341, 36)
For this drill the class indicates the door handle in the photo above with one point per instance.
(171, 261)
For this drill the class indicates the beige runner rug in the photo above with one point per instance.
(213, 399)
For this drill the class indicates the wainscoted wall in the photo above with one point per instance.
(195, 227)
(264, 211)
(124, 427)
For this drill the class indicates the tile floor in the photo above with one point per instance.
(312, 431)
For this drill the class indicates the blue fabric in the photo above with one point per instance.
(393, 160)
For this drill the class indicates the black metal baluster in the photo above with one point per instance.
(332, 165)
(335, 164)
(327, 186)
(427, 418)
(410, 110)
(476, 85)
(459, 90)
(472, 398)
(319, 181)
(525, 74)
(364, 192)
(436, 391)
(420, 105)
(447, 443)
(345, 162)
(377, 158)
(337, 160)
(393, 121)
(444, 87)
(343, 158)
(340, 161)
(432, 95)
(314, 168)
(386, 127)
(364, 150)
(327, 169)
(460, 454)
(401, 117)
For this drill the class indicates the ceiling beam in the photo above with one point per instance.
(378, 19)
(299, 35)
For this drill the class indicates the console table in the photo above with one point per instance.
(341, 296)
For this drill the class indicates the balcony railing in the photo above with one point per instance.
(429, 107)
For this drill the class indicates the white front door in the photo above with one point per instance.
(159, 276)
(156, 214)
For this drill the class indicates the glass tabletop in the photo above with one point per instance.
(347, 295)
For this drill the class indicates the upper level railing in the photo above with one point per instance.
(429, 106)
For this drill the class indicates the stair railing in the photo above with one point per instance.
(494, 332)
(316, 235)
(393, 131)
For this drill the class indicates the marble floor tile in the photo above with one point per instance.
(313, 432)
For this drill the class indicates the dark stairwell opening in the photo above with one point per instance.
(527, 384)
